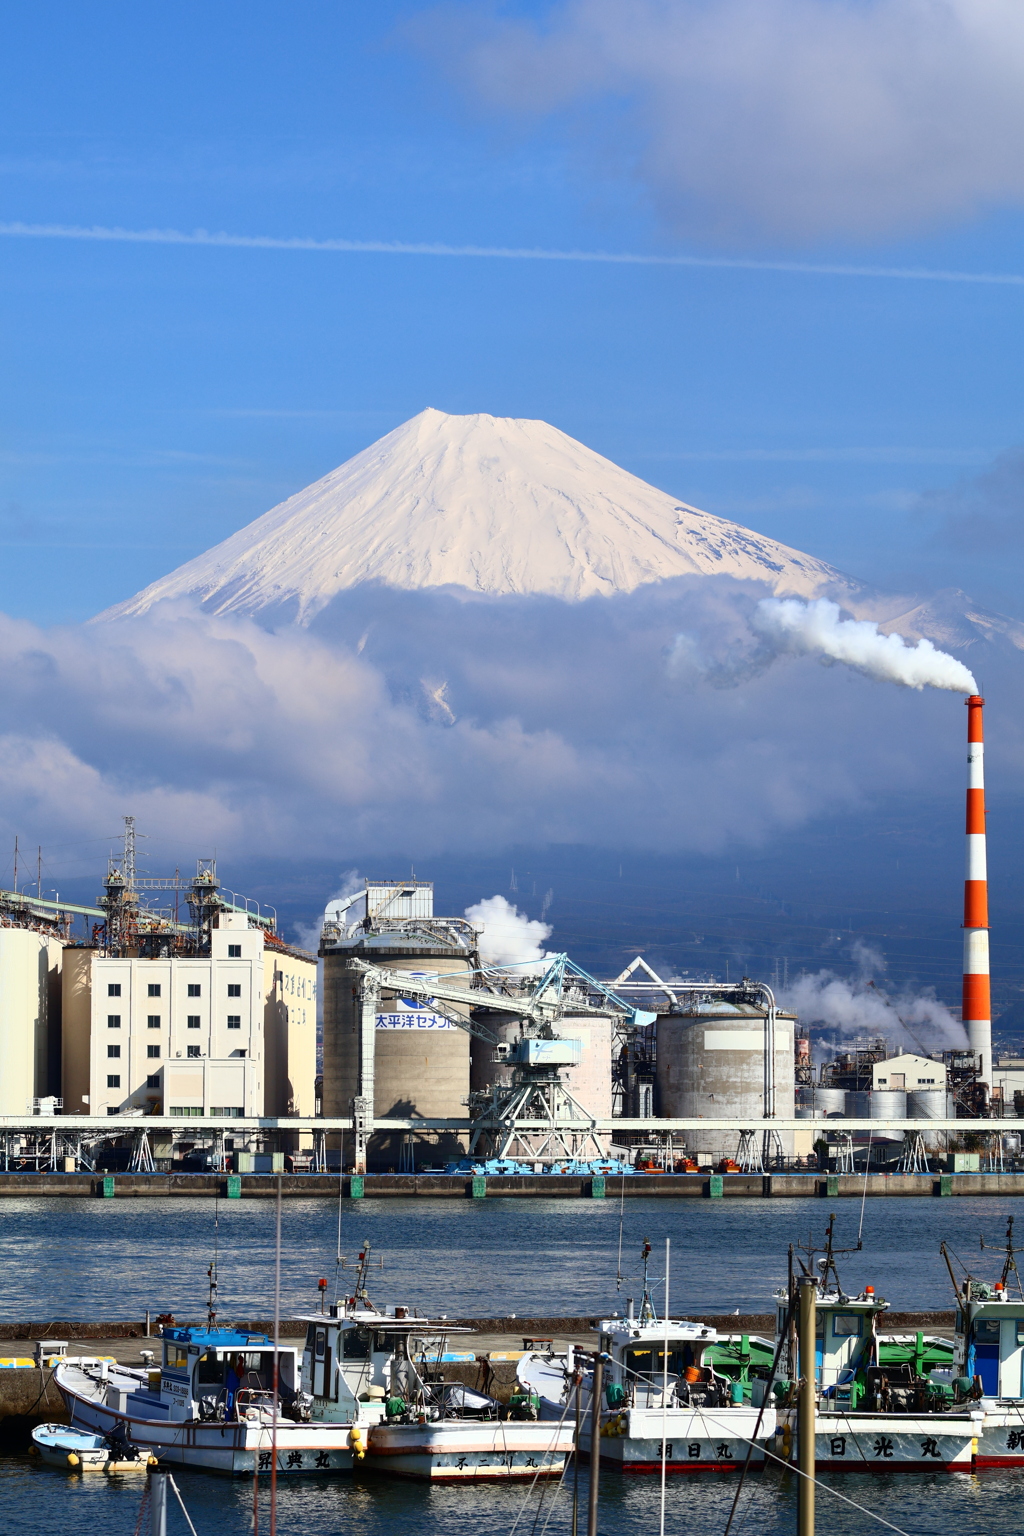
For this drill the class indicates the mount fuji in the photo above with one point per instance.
(491, 505)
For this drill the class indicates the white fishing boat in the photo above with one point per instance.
(418, 1425)
(701, 1423)
(873, 1413)
(77, 1450)
(988, 1354)
(212, 1405)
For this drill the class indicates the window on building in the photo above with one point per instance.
(153, 989)
(193, 1050)
(194, 989)
(227, 1112)
(113, 989)
(234, 1021)
(153, 1021)
(194, 1021)
(234, 951)
(113, 1080)
(188, 1109)
(153, 1052)
(234, 989)
(113, 1021)
(113, 1051)
(153, 1080)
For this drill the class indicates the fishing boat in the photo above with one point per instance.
(76, 1450)
(417, 1425)
(988, 1353)
(212, 1405)
(880, 1406)
(675, 1391)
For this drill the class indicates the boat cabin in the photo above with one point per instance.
(222, 1373)
(637, 1356)
(352, 1362)
(989, 1342)
(845, 1344)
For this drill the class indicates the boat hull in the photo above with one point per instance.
(231, 1449)
(464, 1450)
(695, 1440)
(886, 1442)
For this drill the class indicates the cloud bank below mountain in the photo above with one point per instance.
(421, 721)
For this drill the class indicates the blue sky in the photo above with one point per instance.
(155, 397)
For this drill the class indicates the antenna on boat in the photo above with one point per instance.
(211, 1273)
(1009, 1262)
(647, 1312)
(827, 1265)
(363, 1264)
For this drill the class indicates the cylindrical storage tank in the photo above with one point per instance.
(876, 1104)
(928, 1104)
(590, 1084)
(820, 1103)
(710, 1065)
(421, 1066)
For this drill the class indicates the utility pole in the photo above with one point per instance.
(596, 1389)
(807, 1411)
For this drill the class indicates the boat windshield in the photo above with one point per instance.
(648, 1360)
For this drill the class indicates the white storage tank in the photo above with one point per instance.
(930, 1104)
(710, 1065)
(814, 1103)
(876, 1104)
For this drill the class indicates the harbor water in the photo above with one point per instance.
(87, 1260)
(95, 1260)
(38, 1501)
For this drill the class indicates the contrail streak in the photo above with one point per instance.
(500, 252)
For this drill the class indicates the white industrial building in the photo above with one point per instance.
(228, 1033)
(30, 964)
(908, 1073)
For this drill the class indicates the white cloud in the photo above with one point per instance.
(567, 725)
(795, 119)
(507, 936)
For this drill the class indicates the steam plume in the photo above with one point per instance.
(856, 1006)
(506, 934)
(816, 629)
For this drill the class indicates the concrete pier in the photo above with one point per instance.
(680, 1186)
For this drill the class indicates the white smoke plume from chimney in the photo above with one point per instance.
(856, 1006)
(506, 934)
(816, 629)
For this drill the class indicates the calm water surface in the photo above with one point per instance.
(37, 1501)
(95, 1259)
(112, 1259)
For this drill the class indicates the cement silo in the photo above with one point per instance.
(421, 1067)
(590, 1083)
(711, 1065)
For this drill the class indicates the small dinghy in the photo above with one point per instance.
(79, 1450)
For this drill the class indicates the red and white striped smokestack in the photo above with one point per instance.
(977, 1002)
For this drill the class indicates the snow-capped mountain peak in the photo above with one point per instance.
(483, 503)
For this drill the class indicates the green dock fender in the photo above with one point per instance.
(597, 1187)
(108, 1188)
(479, 1189)
(715, 1187)
(945, 1184)
(234, 1189)
(832, 1184)
(355, 1187)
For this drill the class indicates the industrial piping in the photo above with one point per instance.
(977, 1002)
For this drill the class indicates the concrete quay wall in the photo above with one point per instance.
(540, 1186)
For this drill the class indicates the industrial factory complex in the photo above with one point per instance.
(181, 1033)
